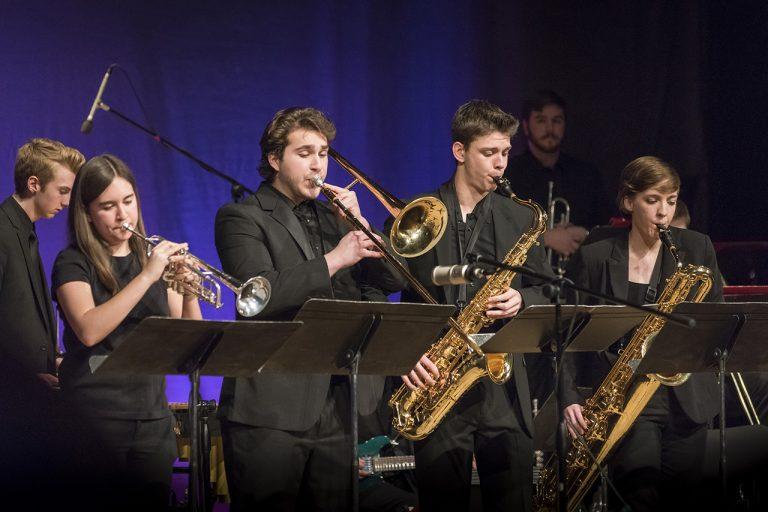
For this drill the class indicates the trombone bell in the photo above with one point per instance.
(418, 227)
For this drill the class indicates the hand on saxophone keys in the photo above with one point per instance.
(423, 375)
(575, 421)
(504, 305)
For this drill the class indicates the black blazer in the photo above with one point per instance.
(604, 266)
(262, 236)
(26, 313)
(510, 221)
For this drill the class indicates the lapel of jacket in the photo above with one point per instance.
(443, 247)
(618, 266)
(41, 296)
(284, 215)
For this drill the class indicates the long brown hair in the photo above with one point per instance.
(94, 177)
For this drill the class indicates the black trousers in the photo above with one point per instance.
(658, 465)
(279, 470)
(141, 455)
(485, 422)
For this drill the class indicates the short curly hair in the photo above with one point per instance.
(275, 136)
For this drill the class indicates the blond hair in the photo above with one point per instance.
(35, 158)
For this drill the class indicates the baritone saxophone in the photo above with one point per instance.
(622, 396)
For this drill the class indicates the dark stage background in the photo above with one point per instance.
(683, 81)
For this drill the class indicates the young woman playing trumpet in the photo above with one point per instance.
(105, 284)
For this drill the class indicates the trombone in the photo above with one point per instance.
(418, 226)
(252, 295)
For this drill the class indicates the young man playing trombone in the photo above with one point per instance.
(286, 438)
(491, 421)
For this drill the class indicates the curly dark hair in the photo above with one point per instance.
(275, 136)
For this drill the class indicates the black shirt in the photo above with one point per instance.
(485, 240)
(580, 183)
(348, 283)
(125, 397)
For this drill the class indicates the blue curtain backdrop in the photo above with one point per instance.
(390, 75)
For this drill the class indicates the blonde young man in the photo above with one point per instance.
(43, 175)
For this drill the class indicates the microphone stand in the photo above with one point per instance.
(554, 290)
(238, 190)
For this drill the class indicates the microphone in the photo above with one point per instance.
(456, 274)
(87, 125)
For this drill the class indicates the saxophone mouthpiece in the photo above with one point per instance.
(504, 186)
(666, 238)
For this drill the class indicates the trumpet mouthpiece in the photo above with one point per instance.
(127, 226)
(317, 180)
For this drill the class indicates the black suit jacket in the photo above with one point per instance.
(26, 314)
(262, 236)
(510, 221)
(604, 266)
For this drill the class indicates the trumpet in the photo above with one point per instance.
(565, 218)
(252, 295)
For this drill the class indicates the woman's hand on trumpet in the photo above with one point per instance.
(162, 255)
(349, 199)
(184, 274)
(353, 247)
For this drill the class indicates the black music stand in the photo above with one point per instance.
(728, 335)
(353, 338)
(532, 331)
(595, 328)
(163, 346)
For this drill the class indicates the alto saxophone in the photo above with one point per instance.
(416, 414)
(604, 429)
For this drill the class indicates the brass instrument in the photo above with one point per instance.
(418, 225)
(418, 413)
(745, 399)
(415, 284)
(252, 296)
(605, 430)
(565, 218)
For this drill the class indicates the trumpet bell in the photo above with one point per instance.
(418, 227)
(253, 296)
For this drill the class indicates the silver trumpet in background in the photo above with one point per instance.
(252, 296)
(565, 218)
